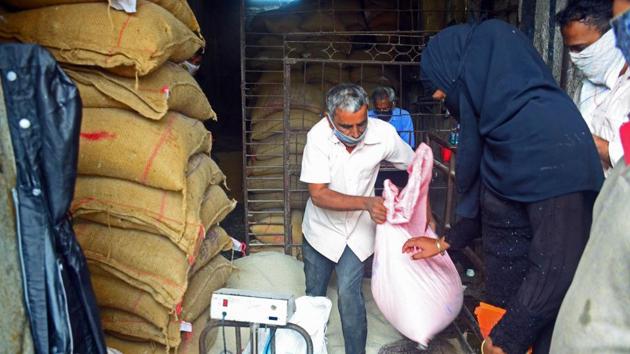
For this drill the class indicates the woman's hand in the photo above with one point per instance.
(488, 348)
(424, 247)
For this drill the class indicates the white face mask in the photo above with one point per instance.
(601, 61)
(190, 67)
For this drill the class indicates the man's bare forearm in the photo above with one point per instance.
(329, 199)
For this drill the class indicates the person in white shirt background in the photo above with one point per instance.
(591, 43)
(595, 313)
(340, 163)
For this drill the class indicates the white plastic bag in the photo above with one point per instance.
(418, 297)
(311, 313)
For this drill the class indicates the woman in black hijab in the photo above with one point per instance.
(527, 174)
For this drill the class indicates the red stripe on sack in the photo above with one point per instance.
(96, 136)
(156, 149)
(122, 31)
(162, 206)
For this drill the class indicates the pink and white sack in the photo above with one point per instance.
(418, 297)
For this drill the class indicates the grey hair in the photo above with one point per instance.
(382, 92)
(347, 97)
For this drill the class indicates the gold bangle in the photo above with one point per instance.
(482, 345)
(439, 247)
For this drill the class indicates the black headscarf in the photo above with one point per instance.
(521, 135)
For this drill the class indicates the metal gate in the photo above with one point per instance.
(285, 75)
(287, 100)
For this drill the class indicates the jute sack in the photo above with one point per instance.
(216, 205)
(33, 4)
(126, 346)
(383, 21)
(274, 81)
(274, 165)
(274, 183)
(217, 240)
(118, 143)
(274, 145)
(202, 284)
(317, 73)
(270, 229)
(178, 215)
(190, 341)
(211, 209)
(170, 87)
(179, 8)
(95, 35)
(278, 21)
(128, 325)
(303, 97)
(273, 123)
(182, 11)
(275, 200)
(146, 261)
(114, 293)
(322, 21)
(374, 74)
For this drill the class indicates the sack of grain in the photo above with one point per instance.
(374, 74)
(169, 88)
(143, 260)
(95, 35)
(318, 73)
(278, 21)
(275, 200)
(270, 228)
(214, 210)
(33, 4)
(128, 325)
(118, 143)
(216, 205)
(111, 292)
(126, 346)
(322, 21)
(217, 240)
(179, 8)
(300, 120)
(274, 183)
(274, 166)
(273, 146)
(303, 97)
(190, 341)
(182, 11)
(202, 284)
(175, 214)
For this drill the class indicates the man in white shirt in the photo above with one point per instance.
(586, 33)
(341, 160)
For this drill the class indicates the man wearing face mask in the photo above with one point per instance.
(340, 162)
(383, 100)
(595, 313)
(591, 43)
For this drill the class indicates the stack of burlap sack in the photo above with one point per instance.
(148, 197)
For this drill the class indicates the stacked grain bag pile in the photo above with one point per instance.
(148, 197)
